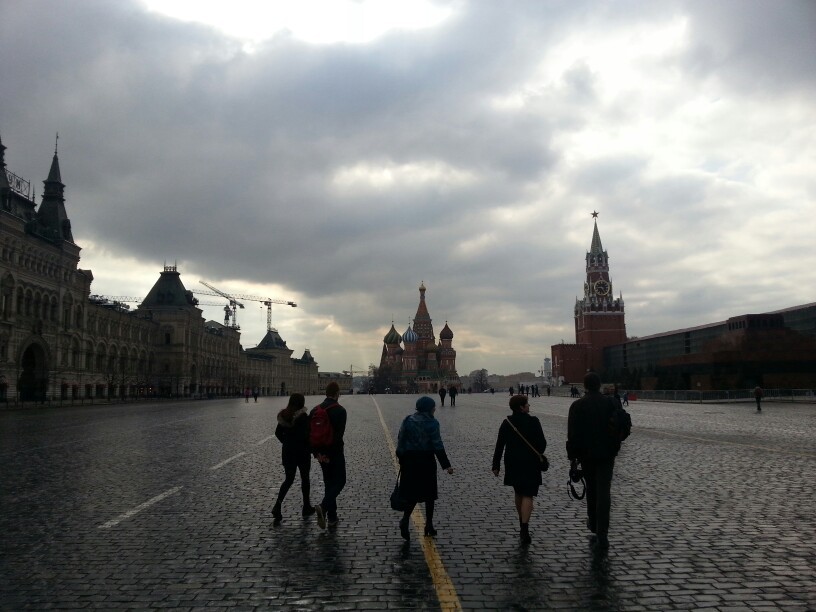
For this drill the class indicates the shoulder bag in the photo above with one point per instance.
(398, 502)
(545, 464)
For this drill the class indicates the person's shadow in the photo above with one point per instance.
(603, 584)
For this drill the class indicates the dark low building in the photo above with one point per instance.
(773, 350)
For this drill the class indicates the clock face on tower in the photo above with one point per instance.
(602, 287)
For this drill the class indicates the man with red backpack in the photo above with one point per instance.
(327, 424)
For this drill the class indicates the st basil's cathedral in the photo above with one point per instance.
(417, 363)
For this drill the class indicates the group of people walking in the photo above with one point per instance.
(451, 393)
(529, 390)
(297, 436)
(521, 443)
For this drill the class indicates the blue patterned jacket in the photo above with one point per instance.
(420, 432)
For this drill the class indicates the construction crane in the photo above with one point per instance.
(351, 372)
(120, 303)
(234, 303)
(230, 310)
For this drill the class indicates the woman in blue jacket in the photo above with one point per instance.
(419, 446)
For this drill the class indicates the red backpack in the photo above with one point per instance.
(321, 432)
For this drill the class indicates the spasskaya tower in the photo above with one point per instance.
(599, 319)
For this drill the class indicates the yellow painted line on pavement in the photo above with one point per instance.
(445, 591)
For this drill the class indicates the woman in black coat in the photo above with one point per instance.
(293, 432)
(522, 464)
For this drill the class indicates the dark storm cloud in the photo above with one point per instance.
(348, 173)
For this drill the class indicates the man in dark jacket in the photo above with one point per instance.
(332, 459)
(590, 442)
(452, 393)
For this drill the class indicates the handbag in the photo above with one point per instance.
(398, 502)
(545, 463)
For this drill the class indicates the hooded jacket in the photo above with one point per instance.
(293, 433)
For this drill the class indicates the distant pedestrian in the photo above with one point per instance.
(625, 398)
(511, 391)
(522, 442)
(758, 397)
(452, 393)
(255, 393)
(589, 442)
(246, 395)
(442, 393)
(549, 390)
(293, 432)
(419, 447)
(616, 396)
(332, 457)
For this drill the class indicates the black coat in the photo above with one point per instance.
(294, 435)
(522, 467)
(588, 435)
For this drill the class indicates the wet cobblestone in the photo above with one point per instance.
(713, 508)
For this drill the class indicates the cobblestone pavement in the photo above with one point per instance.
(145, 506)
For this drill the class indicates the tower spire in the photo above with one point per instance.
(596, 247)
(52, 215)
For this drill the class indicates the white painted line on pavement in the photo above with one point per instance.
(139, 508)
(264, 441)
(226, 461)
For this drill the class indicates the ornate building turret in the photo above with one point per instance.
(422, 322)
(447, 354)
(4, 184)
(599, 318)
(392, 345)
(52, 219)
(409, 358)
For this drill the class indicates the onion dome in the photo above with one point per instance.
(392, 337)
(446, 333)
(409, 336)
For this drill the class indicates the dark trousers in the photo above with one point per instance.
(290, 469)
(334, 479)
(598, 476)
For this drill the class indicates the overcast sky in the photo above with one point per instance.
(339, 153)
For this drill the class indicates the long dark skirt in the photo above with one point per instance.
(418, 479)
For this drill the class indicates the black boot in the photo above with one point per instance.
(403, 524)
(524, 534)
(276, 514)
